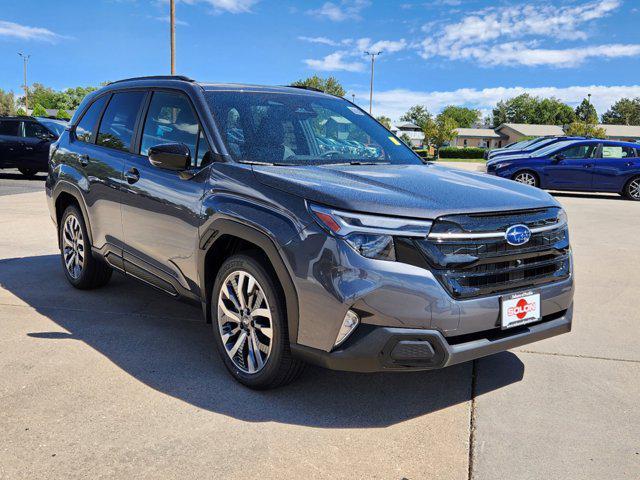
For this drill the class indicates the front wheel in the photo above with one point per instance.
(249, 323)
(528, 178)
(632, 189)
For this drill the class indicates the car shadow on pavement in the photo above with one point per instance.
(166, 345)
(18, 176)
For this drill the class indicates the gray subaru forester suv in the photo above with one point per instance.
(307, 231)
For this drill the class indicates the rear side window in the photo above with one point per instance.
(9, 128)
(85, 127)
(170, 120)
(119, 120)
(617, 151)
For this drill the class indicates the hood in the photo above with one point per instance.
(509, 158)
(417, 191)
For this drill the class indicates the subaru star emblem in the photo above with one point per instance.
(517, 235)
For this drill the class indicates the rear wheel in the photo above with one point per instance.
(249, 323)
(632, 189)
(82, 270)
(527, 177)
(28, 172)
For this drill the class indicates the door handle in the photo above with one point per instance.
(132, 175)
(628, 164)
(84, 160)
(588, 165)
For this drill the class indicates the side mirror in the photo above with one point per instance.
(558, 157)
(171, 156)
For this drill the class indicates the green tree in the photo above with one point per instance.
(527, 109)
(328, 85)
(49, 98)
(418, 115)
(439, 131)
(463, 116)
(63, 114)
(625, 111)
(585, 129)
(386, 121)
(406, 139)
(21, 112)
(586, 112)
(7, 103)
(39, 111)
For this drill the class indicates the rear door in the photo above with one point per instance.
(613, 167)
(9, 142)
(574, 169)
(160, 208)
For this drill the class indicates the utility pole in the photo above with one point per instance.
(25, 59)
(172, 22)
(373, 56)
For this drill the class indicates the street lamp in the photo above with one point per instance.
(373, 56)
(25, 59)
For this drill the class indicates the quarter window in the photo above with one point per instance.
(84, 129)
(119, 120)
(170, 120)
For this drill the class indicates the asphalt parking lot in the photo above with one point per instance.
(124, 382)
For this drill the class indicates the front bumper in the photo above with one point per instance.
(408, 349)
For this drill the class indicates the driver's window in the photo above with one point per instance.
(35, 130)
(579, 151)
(170, 119)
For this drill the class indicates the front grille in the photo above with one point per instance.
(471, 267)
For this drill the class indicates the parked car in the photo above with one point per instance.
(584, 165)
(24, 142)
(530, 146)
(366, 261)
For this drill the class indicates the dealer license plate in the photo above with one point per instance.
(520, 309)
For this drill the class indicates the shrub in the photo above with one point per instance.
(461, 152)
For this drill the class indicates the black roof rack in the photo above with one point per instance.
(304, 87)
(156, 77)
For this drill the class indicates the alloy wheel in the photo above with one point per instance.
(73, 246)
(244, 322)
(526, 178)
(634, 189)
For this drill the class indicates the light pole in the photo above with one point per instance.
(25, 59)
(373, 56)
(172, 27)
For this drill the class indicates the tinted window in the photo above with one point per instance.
(35, 130)
(302, 129)
(55, 127)
(204, 151)
(119, 120)
(9, 127)
(170, 120)
(85, 127)
(580, 151)
(617, 151)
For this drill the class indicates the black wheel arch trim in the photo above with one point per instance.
(225, 226)
(63, 186)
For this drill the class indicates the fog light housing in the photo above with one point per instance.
(349, 323)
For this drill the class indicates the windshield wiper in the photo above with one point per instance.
(358, 162)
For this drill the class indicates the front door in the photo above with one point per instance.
(160, 208)
(572, 169)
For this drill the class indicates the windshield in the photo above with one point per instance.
(553, 147)
(55, 127)
(301, 129)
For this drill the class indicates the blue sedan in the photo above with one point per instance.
(578, 165)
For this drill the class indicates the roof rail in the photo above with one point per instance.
(305, 87)
(155, 77)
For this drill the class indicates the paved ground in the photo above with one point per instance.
(12, 182)
(124, 382)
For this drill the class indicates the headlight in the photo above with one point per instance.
(562, 216)
(369, 235)
(502, 165)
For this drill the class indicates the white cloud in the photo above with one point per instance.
(394, 103)
(23, 32)
(320, 40)
(386, 46)
(166, 19)
(335, 62)
(513, 35)
(228, 6)
(344, 10)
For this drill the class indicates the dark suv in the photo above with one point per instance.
(305, 229)
(24, 142)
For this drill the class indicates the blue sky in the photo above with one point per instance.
(436, 52)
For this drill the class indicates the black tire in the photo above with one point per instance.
(93, 273)
(632, 189)
(28, 172)
(279, 368)
(532, 178)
